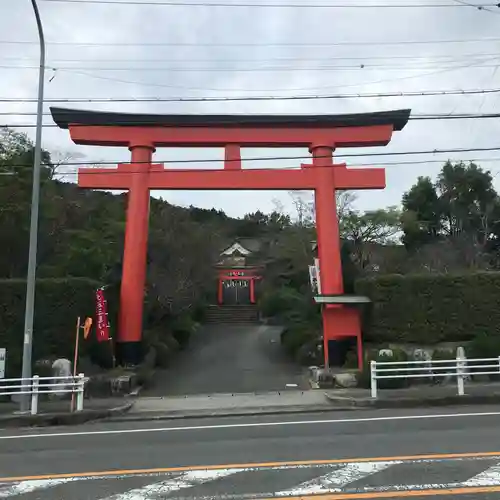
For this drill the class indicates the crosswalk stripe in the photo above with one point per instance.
(489, 477)
(24, 487)
(185, 480)
(338, 478)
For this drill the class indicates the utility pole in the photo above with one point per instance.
(35, 201)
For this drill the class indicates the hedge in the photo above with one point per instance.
(58, 303)
(431, 308)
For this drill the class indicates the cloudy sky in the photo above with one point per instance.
(134, 51)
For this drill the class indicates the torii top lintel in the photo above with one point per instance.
(125, 129)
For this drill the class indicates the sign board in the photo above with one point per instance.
(314, 277)
(3, 357)
(102, 325)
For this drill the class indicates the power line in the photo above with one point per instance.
(422, 93)
(479, 7)
(407, 57)
(243, 44)
(361, 84)
(296, 167)
(300, 157)
(179, 3)
(357, 67)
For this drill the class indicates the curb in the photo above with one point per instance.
(53, 419)
(409, 402)
(202, 414)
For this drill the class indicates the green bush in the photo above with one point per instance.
(431, 308)
(163, 355)
(484, 346)
(280, 302)
(182, 329)
(58, 303)
(443, 355)
(395, 383)
(299, 341)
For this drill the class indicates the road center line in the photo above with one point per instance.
(250, 424)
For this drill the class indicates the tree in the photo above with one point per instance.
(421, 217)
(461, 208)
(369, 230)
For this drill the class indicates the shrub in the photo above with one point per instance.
(394, 383)
(182, 329)
(163, 355)
(58, 303)
(280, 302)
(443, 355)
(294, 337)
(145, 371)
(431, 308)
(484, 346)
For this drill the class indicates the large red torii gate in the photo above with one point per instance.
(143, 133)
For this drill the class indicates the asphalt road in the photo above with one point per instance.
(448, 453)
(229, 359)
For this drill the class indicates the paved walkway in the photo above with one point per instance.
(230, 359)
(418, 395)
(62, 406)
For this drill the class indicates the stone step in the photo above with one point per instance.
(247, 313)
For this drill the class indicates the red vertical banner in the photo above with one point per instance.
(102, 326)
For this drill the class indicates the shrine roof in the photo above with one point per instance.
(63, 117)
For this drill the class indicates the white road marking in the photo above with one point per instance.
(489, 477)
(334, 481)
(338, 479)
(24, 487)
(252, 424)
(185, 480)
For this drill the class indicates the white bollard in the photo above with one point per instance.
(34, 395)
(373, 378)
(460, 375)
(79, 391)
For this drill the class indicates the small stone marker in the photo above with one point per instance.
(61, 368)
(385, 352)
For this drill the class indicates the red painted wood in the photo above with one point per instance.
(265, 179)
(252, 290)
(135, 251)
(232, 157)
(108, 135)
(322, 176)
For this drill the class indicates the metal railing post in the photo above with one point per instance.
(80, 387)
(34, 395)
(460, 376)
(373, 378)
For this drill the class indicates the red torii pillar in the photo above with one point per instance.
(142, 134)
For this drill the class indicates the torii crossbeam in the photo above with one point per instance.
(142, 134)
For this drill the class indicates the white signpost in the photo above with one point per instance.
(314, 277)
(3, 356)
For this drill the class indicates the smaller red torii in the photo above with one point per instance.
(142, 134)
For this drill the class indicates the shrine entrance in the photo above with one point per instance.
(236, 292)
(320, 134)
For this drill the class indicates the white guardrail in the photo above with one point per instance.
(461, 368)
(44, 385)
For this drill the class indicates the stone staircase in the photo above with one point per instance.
(232, 314)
